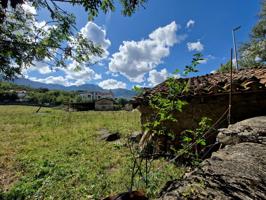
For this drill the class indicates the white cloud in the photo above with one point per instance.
(97, 35)
(176, 76)
(208, 57)
(166, 35)
(195, 46)
(211, 57)
(74, 74)
(40, 67)
(135, 58)
(28, 8)
(190, 23)
(112, 74)
(156, 77)
(204, 61)
(112, 84)
(144, 85)
(258, 59)
(52, 80)
(44, 69)
(234, 62)
(80, 73)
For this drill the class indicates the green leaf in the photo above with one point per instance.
(187, 139)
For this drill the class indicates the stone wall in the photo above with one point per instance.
(237, 171)
(104, 104)
(244, 105)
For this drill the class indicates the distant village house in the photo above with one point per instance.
(22, 94)
(95, 95)
(94, 100)
(105, 104)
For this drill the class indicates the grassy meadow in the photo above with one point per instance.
(55, 154)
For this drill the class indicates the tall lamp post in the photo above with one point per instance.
(234, 42)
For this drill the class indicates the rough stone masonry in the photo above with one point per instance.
(238, 171)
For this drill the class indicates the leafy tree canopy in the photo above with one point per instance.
(253, 53)
(24, 40)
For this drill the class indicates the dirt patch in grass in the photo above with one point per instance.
(7, 171)
(7, 177)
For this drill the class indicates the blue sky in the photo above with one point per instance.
(147, 47)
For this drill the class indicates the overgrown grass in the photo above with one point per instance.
(57, 155)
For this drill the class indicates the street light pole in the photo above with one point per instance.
(234, 42)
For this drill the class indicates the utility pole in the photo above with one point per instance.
(234, 42)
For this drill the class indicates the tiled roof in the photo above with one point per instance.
(243, 80)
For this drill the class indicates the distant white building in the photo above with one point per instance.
(22, 96)
(94, 95)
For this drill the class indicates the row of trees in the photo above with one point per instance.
(9, 93)
(53, 98)
(42, 96)
(253, 53)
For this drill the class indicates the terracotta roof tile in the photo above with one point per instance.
(211, 84)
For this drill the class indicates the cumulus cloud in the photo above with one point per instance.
(97, 35)
(190, 23)
(74, 74)
(112, 74)
(75, 78)
(208, 57)
(112, 84)
(156, 77)
(166, 34)
(28, 8)
(195, 46)
(52, 80)
(80, 73)
(40, 67)
(135, 58)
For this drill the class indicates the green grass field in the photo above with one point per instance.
(55, 154)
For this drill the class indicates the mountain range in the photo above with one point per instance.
(118, 93)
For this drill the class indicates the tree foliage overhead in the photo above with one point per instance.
(24, 40)
(253, 53)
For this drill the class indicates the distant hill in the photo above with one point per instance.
(118, 93)
(124, 93)
(35, 84)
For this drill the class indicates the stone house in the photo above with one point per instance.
(105, 104)
(208, 96)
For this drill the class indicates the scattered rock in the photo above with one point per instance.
(250, 130)
(109, 137)
(135, 137)
(235, 172)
